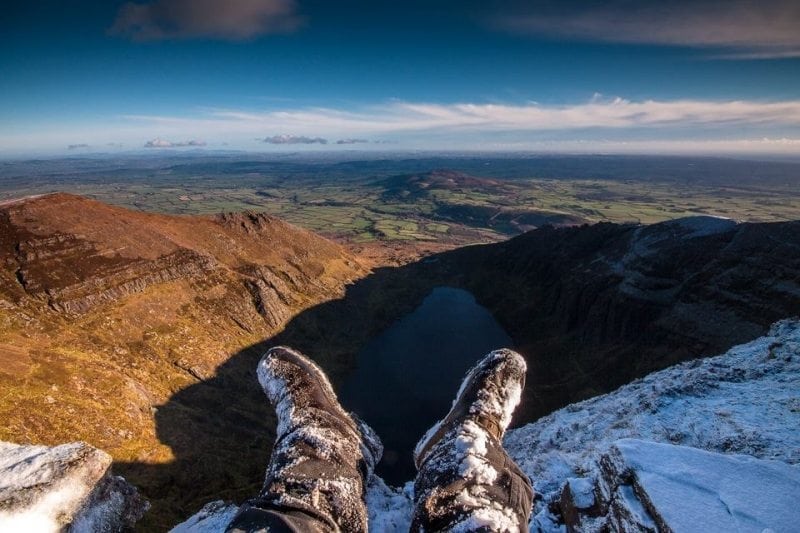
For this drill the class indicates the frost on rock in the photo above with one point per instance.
(654, 486)
(214, 517)
(68, 487)
(742, 402)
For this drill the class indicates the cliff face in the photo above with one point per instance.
(105, 313)
(594, 307)
(75, 255)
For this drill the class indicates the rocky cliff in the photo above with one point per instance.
(595, 307)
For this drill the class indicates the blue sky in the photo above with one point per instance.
(708, 76)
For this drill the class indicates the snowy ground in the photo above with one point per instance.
(746, 401)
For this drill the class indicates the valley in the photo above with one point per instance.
(138, 330)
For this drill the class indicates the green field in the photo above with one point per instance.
(474, 203)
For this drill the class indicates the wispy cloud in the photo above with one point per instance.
(162, 143)
(757, 53)
(233, 20)
(294, 139)
(408, 117)
(751, 29)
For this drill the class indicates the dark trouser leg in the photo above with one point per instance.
(322, 458)
(457, 490)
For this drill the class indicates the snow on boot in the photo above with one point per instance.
(466, 481)
(322, 458)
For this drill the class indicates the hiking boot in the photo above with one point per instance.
(322, 458)
(466, 481)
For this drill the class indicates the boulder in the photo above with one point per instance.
(64, 488)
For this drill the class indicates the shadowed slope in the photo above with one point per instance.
(590, 308)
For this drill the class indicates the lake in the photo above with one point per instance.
(407, 377)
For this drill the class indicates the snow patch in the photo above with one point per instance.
(582, 491)
(390, 509)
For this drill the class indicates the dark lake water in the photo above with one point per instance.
(408, 375)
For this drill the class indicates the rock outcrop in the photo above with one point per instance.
(64, 488)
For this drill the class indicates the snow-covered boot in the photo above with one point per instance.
(466, 480)
(322, 458)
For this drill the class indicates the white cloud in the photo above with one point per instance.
(759, 146)
(754, 29)
(162, 143)
(294, 139)
(233, 20)
(598, 124)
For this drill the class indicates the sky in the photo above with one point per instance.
(614, 76)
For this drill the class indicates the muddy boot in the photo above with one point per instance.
(465, 480)
(322, 458)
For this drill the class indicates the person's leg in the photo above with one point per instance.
(466, 481)
(322, 457)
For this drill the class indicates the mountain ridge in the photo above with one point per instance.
(106, 313)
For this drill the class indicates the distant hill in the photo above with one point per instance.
(413, 186)
(462, 199)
